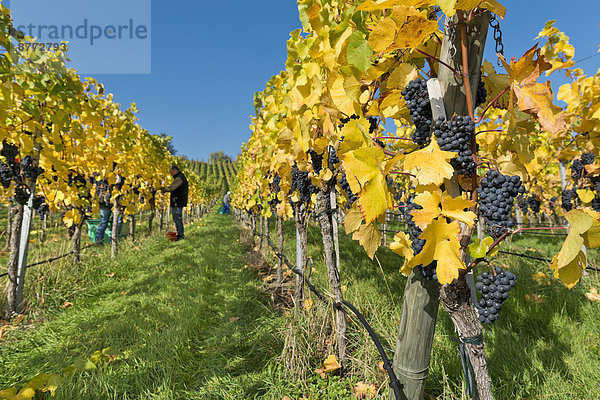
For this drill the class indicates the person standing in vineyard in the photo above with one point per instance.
(179, 198)
(104, 192)
(226, 200)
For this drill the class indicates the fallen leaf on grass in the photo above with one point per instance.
(233, 319)
(18, 319)
(123, 293)
(380, 365)
(110, 275)
(285, 398)
(593, 295)
(541, 278)
(364, 390)
(308, 304)
(534, 298)
(67, 304)
(331, 364)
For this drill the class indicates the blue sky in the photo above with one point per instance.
(208, 59)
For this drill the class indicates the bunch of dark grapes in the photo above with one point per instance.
(43, 210)
(481, 94)
(569, 199)
(417, 244)
(534, 204)
(523, 204)
(332, 158)
(417, 101)
(346, 188)
(394, 189)
(596, 204)
(21, 195)
(373, 124)
(275, 188)
(587, 158)
(455, 135)
(28, 170)
(577, 169)
(344, 121)
(301, 181)
(596, 183)
(494, 292)
(6, 175)
(37, 202)
(317, 161)
(9, 152)
(496, 197)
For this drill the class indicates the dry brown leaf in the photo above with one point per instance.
(593, 295)
(534, 298)
(67, 304)
(110, 275)
(308, 304)
(233, 319)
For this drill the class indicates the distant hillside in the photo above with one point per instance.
(217, 168)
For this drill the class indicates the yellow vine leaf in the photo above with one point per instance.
(570, 273)
(401, 76)
(430, 202)
(413, 27)
(569, 263)
(533, 97)
(369, 237)
(449, 262)
(382, 36)
(401, 245)
(352, 220)
(479, 248)
(371, 5)
(374, 198)
(591, 238)
(441, 244)
(585, 195)
(331, 364)
(453, 207)
(430, 165)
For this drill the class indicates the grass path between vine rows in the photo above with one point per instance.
(182, 314)
(191, 322)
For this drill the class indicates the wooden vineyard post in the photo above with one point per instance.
(299, 216)
(267, 237)
(44, 233)
(335, 226)
(279, 249)
(168, 217)
(23, 249)
(76, 241)
(132, 227)
(9, 218)
(456, 296)
(323, 212)
(161, 219)
(415, 335)
(13, 261)
(115, 228)
(420, 305)
(25, 231)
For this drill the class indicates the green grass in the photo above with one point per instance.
(171, 310)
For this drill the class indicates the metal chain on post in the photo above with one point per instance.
(495, 25)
